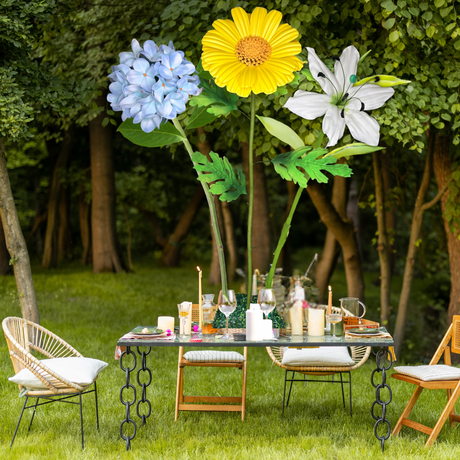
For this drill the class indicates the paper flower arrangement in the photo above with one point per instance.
(250, 55)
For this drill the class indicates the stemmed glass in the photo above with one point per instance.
(184, 311)
(266, 300)
(334, 318)
(227, 305)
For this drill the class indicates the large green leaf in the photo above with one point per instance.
(203, 74)
(220, 171)
(166, 135)
(217, 100)
(290, 165)
(352, 149)
(200, 117)
(283, 132)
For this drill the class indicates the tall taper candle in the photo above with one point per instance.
(200, 301)
(329, 302)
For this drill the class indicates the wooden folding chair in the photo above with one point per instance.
(212, 403)
(451, 385)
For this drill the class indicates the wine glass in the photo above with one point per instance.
(227, 305)
(184, 311)
(334, 318)
(266, 300)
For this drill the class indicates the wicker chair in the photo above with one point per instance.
(24, 338)
(358, 354)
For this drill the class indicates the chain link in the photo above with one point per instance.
(381, 420)
(128, 403)
(144, 386)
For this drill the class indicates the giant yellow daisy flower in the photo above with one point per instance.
(254, 53)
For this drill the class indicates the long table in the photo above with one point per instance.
(382, 353)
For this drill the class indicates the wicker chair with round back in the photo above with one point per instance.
(47, 368)
(354, 358)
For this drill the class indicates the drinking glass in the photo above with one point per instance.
(266, 300)
(184, 311)
(334, 318)
(227, 305)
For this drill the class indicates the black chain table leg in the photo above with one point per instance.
(144, 386)
(380, 358)
(128, 403)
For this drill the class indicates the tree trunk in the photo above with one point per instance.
(230, 240)
(64, 233)
(4, 258)
(50, 252)
(150, 216)
(171, 253)
(383, 248)
(261, 249)
(442, 165)
(85, 228)
(345, 234)
(331, 250)
(38, 214)
(417, 219)
(106, 255)
(16, 245)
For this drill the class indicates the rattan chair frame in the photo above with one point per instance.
(24, 337)
(358, 354)
(451, 386)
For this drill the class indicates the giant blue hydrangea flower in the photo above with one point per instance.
(152, 84)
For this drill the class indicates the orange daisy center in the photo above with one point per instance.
(253, 51)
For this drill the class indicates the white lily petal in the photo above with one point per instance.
(347, 66)
(333, 125)
(329, 82)
(308, 105)
(362, 127)
(372, 96)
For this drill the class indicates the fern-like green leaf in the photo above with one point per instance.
(297, 164)
(227, 184)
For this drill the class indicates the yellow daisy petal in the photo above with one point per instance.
(272, 22)
(286, 50)
(241, 21)
(248, 77)
(258, 21)
(284, 34)
(228, 29)
(228, 71)
(215, 39)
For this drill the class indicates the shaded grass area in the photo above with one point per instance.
(92, 311)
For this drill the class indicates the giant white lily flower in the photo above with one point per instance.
(343, 104)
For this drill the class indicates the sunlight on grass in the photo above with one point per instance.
(92, 311)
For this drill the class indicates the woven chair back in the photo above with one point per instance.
(455, 346)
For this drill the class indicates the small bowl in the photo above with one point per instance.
(239, 337)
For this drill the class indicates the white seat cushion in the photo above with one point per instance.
(321, 356)
(82, 371)
(214, 356)
(429, 373)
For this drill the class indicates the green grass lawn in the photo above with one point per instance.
(92, 311)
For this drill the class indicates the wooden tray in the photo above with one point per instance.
(351, 322)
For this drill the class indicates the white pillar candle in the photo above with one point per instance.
(166, 322)
(254, 318)
(267, 328)
(296, 314)
(315, 322)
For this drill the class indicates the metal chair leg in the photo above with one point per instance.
(33, 415)
(351, 408)
(97, 409)
(290, 388)
(81, 423)
(284, 393)
(343, 394)
(20, 418)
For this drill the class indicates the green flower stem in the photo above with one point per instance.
(283, 238)
(251, 197)
(212, 211)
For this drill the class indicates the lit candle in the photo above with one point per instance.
(200, 309)
(329, 302)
